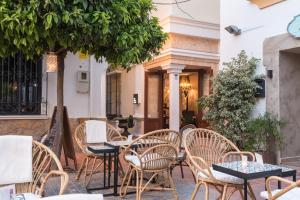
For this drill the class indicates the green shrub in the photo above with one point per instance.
(233, 98)
(260, 129)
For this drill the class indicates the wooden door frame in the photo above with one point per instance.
(160, 103)
(201, 73)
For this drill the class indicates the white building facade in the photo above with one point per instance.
(192, 50)
(264, 35)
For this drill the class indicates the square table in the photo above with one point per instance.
(108, 148)
(253, 170)
(105, 150)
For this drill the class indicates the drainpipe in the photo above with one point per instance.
(278, 156)
(90, 87)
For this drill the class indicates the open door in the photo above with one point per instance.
(153, 101)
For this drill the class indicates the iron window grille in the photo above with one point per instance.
(20, 86)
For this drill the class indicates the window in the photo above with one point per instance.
(20, 86)
(113, 95)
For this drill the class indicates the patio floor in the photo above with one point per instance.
(184, 187)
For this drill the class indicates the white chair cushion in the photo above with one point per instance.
(135, 161)
(293, 194)
(29, 196)
(181, 154)
(222, 177)
(76, 197)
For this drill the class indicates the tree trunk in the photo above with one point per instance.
(58, 142)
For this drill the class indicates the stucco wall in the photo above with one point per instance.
(283, 89)
(132, 82)
(80, 105)
(201, 10)
(257, 25)
(289, 72)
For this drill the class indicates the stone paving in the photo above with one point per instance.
(184, 188)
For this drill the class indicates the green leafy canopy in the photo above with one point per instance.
(122, 31)
(233, 98)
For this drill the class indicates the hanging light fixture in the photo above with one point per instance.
(185, 85)
(51, 62)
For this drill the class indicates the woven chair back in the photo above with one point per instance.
(42, 160)
(208, 145)
(112, 134)
(157, 149)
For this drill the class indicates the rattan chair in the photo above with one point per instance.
(204, 148)
(43, 161)
(152, 153)
(182, 154)
(291, 192)
(96, 160)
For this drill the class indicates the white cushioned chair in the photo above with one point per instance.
(43, 160)
(29, 196)
(205, 148)
(291, 192)
(151, 153)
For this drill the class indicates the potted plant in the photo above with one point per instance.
(263, 131)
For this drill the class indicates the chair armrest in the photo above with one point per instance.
(238, 153)
(194, 160)
(63, 184)
(119, 138)
(291, 186)
(162, 151)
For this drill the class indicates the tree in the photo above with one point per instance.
(121, 31)
(233, 97)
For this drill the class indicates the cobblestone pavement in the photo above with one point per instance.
(184, 188)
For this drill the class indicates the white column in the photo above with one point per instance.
(174, 111)
(97, 101)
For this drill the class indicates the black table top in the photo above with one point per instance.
(103, 148)
(253, 170)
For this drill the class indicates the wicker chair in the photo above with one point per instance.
(182, 154)
(204, 148)
(152, 153)
(97, 160)
(43, 160)
(292, 191)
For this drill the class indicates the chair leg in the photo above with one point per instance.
(224, 192)
(172, 185)
(86, 170)
(127, 177)
(206, 191)
(198, 184)
(137, 185)
(80, 169)
(181, 169)
(241, 193)
(91, 172)
(140, 186)
(251, 193)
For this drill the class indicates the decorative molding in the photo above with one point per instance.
(265, 3)
(189, 22)
(189, 53)
(173, 68)
(192, 27)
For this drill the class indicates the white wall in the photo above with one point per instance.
(79, 105)
(257, 24)
(200, 10)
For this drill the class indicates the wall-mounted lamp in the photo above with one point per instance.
(51, 62)
(135, 99)
(233, 30)
(270, 73)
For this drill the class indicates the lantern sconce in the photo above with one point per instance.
(270, 73)
(51, 62)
